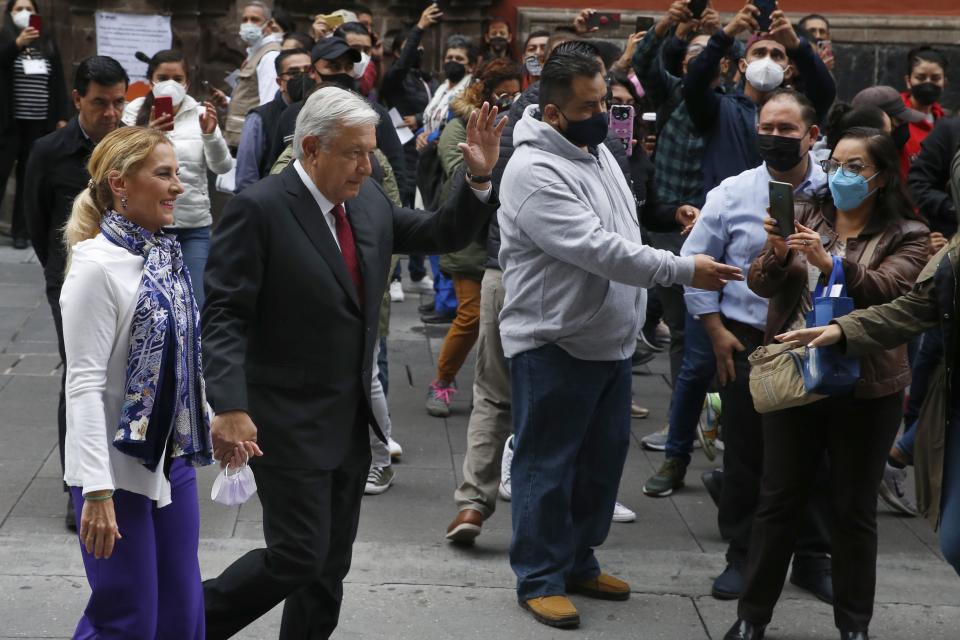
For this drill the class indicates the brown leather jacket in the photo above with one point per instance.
(899, 256)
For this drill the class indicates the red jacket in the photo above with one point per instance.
(918, 131)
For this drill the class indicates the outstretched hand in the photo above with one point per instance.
(712, 275)
(814, 337)
(482, 148)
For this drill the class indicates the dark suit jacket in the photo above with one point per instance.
(56, 172)
(284, 337)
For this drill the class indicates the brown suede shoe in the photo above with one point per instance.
(603, 587)
(465, 527)
(553, 611)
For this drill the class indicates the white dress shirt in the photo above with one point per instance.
(267, 69)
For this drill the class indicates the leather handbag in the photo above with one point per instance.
(776, 378)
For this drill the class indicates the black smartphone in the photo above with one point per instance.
(781, 206)
(644, 23)
(766, 7)
(604, 21)
(697, 7)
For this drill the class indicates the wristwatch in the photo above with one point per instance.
(478, 179)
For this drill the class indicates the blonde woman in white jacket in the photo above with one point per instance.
(199, 145)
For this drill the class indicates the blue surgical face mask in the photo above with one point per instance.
(849, 192)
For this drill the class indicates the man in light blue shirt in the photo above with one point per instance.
(730, 229)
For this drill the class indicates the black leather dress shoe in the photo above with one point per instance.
(816, 580)
(713, 481)
(429, 307)
(744, 630)
(435, 318)
(854, 635)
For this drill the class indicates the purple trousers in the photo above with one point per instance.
(150, 587)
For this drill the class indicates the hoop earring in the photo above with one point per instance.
(123, 202)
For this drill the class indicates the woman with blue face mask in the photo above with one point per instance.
(866, 220)
(196, 137)
(33, 101)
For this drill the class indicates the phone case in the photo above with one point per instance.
(36, 22)
(163, 105)
(781, 207)
(621, 124)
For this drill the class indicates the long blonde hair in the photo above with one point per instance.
(122, 150)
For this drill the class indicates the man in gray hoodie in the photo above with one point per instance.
(575, 272)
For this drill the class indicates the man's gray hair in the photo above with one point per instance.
(268, 14)
(326, 111)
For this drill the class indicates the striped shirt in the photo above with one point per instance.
(31, 91)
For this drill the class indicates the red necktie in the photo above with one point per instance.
(348, 248)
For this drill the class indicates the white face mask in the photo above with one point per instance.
(764, 74)
(21, 19)
(360, 67)
(170, 88)
(251, 33)
(234, 486)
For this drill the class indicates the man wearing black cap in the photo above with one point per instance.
(332, 64)
(888, 100)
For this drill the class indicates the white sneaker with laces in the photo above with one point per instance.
(396, 451)
(623, 514)
(396, 291)
(424, 285)
(506, 490)
(379, 480)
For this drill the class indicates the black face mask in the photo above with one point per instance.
(499, 44)
(780, 152)
(926, 93)
(342, 80)
(900, 134)
(454, 71)
(299, 86)
(503, 103)
(588, 132)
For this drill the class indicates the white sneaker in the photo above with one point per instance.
(506, 490)
(424, 285)
(396, 291)
(623, 514)
(379, 480)
(396, 451)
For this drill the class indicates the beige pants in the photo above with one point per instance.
(490, 422)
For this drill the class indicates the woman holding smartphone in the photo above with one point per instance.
(868, 225)
(193, 131)
(33, 101)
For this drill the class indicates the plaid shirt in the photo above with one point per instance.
(679, 179)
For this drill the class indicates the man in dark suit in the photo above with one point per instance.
(296, 273)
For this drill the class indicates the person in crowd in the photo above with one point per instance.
(819, 29)
(257, 80)
(678, 195)
(900, 116)
(296, 40)
(868, 223)
(574, 269)
(534, 55)
(728, 121)
(364, 15)
(315, 443)
(320, 27)
(868, 333)
(730, 230)
(56, 173)
(367, 70)
(136, 425)
(200, 147)
(926, 77)
(459, 61)
(929, 179)
(260, 127)
(497, 83)
(497, 40)
(333, 63)
(33, 104)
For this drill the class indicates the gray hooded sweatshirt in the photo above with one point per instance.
(574, 266)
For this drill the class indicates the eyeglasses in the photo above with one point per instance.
(847, 169)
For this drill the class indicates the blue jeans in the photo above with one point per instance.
(928, 357)
(571, 423)
(414, 267)
(950, 498)
(693, 381)
(195, 244)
